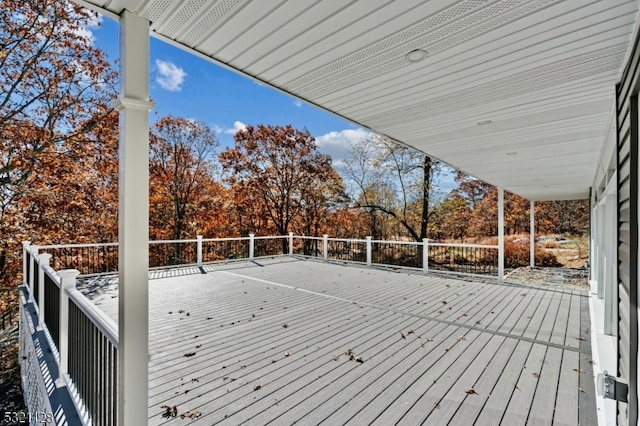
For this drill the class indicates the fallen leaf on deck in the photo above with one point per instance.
(471, 391)
(536, 375)
(461, 338)
(580, 338)
(579, 371)
(188, 354)
(257, 387)
(169, 411)
(191, 414)
(402, 335)
(581, 390)
(288, 353)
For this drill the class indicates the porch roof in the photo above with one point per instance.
(518, 93)
(272, 341)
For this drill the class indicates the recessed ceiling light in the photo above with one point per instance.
(512, 153)
(485, 122)
(416, 55)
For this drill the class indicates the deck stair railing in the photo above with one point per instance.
(85, 340)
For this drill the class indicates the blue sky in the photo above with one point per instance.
(187, 86)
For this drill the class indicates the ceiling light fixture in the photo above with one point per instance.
(415, 55)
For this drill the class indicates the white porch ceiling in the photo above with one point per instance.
(543, 72)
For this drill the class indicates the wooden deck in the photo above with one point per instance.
(287, 340)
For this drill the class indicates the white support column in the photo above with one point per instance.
(25, 264)
(500, 234)
(532, 234)
(199, 250)
(43, 260)
(67, 280)
(32, 270)
(290, 243)
(369, 251)
(251, 245)
(133, 213)
(325, 247)
(425, 255)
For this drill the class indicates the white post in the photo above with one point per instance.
(25, 264)
(43, 261)
(425, 255)
(199, 250)
(251, 240)
(325, 247)
(532, 234)
(500, 234)
(133, 212)
(369, 251)
(290, 243)
(32, 270)
(67, 280)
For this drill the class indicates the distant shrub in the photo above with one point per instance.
(517, 255)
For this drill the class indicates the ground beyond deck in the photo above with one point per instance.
(286, 340)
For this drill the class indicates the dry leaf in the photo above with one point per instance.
(169, 411)
(257, 387)
(471, 391)
(579, 371)
(191, 414)
(288, 353)
(402, 335)
(188, 354)
(536, 375)
(285, 325)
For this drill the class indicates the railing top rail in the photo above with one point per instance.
(102, 321)
(83, 245)
(351, 240)
(485, 246)
(204, 240)
(305, 237)
(270, 237)
(171, 241)
(397, 242)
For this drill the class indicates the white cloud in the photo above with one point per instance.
(170, 76)
(297, 104)
(337, 144)
(237, 126)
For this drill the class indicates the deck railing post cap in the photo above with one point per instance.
(26, 243)
(68, 273)
(44, 258)
(198, 237)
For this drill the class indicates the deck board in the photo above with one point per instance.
(266, 342)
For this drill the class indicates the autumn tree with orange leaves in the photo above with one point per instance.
(181, 173)
(277, 175)
(55, 87)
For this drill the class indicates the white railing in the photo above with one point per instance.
(85, 340)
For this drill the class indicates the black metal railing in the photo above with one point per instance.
(225, 249)
(172, 253)
(93, 365)
(270, 246)
(52, 308)
(466, 259)
(89, 259)
(397, 253)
